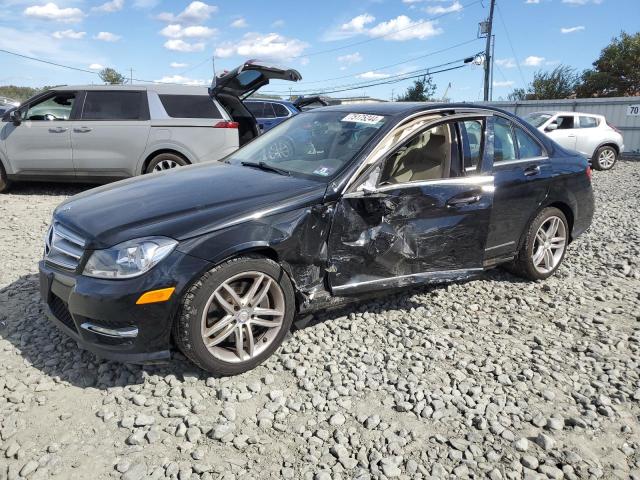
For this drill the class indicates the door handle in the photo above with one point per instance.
(461, 201)
(82, 129)
(58, 130)
(532, 170)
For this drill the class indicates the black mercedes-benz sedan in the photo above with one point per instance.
(330, 206)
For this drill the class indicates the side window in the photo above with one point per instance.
(588, 122)
(527, 146)
(268, 111)
(471, 136)
(54, 108)
(565, 122)
(426, 156)
(280, 110)
(504, 145)
(256, 108)
(113, 105)
(189, 106)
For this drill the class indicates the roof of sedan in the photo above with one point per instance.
(401, 108)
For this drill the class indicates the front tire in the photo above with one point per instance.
(604, 158)
(4, 181)
(165, 161)
(544, 247)
(236, 315)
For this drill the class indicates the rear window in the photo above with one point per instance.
(189, 106)
(280, 110)
(115, 105)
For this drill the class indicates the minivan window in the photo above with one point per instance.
(189, 106)
(113, 105)
(54, 108)
(588, 122)
(280, 110)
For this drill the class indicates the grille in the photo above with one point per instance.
(61, 312)
(63, 248)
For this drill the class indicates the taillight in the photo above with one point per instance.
(226, 124)
(589, 172)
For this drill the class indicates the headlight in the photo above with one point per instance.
(129, 259)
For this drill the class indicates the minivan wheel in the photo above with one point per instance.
(604, 158)
(165, 161)
(4, 181)
(236, 315)
(544, 247)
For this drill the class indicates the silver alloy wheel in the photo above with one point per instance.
(279, 150)
(165, 165)
(549, 244)
(243, 317)
(607, 158)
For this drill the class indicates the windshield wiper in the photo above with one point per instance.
(265, 166)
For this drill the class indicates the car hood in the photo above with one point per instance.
(182, 203)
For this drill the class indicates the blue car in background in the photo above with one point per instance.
(270, 113)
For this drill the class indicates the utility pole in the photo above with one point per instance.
(130, 76)
(488, 58)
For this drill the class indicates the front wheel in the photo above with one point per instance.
(544, 246)
(236, 315)
(604, 158)
(4, 181)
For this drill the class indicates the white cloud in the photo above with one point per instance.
(440, 10)
(178, 65)
(239, 23)
(270, 46)
(180, 79)
(96, 66)
(533, 61)
(373, 75)
(503, 84)
(506, 62)
(175, 30)
(350, 58)
(277, 24)
(178, 45)
(110, 7)
(196, 12)
(571, 29)
(403, 28)
(355, 26)
(51, 11)
(532, 2)
(71, 34)
(107, 37)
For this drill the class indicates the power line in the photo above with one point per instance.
(513, 51)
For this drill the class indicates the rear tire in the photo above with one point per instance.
(604, 158)
(544, 246)
(236, 315)
(165, 161)
(4, 181)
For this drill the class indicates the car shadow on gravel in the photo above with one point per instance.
(24, 324)
(49, 188)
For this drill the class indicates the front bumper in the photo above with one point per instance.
(102, 315)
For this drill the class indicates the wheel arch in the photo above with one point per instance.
(608, 144)
(160, 151)
(561, 205)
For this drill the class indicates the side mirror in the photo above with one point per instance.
(551, 127)
(16, 116)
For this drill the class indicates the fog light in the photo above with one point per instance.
(155, 296)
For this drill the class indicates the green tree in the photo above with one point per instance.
(422, 90)
(109, 75)
(616, 72)
(561, 82)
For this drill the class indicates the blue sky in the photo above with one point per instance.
(333, 43)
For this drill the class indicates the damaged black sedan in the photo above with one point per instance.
(329, 206)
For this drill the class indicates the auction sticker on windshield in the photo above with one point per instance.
(363, 118)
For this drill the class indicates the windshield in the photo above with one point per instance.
(537, 119)
(314, 144)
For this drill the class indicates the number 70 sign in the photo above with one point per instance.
(633, 110)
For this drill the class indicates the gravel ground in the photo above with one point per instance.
(494, 378)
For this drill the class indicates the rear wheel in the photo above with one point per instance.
(544, 247)
(165, 161)
(604, 158)
(4, 181)
(236, 315)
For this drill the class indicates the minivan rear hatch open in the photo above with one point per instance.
(250, 76)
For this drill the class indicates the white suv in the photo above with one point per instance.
(108, 132)
(587, 133)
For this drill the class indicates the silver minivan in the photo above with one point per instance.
(99, 133)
